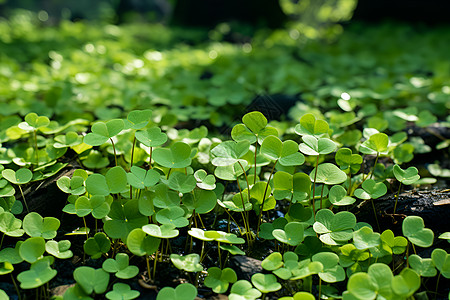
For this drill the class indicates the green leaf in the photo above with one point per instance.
(70, 139)
(138, 119)
(10, 226)
(348, 161)
(377, 281)
(34, 225)
(406, 283)
(229, 152)
(292, 234)
(182, 183)
(172, 215)
(423, 266)
(266, 283)
(120, 266)
(116, 178)
(202, 201)
(34, 122)
(328, 173)
(21, 176)
(310, 126)
(96, 205)
(255, 121)
(122, 291)
(59, 249)
(371, 190)
(184, 291)
(290, 155)
(39, 274)
(165, 231)
(140, 178)
(96, 185)
(408, 176)
(315, 146)
(152, 137)
(205, 181)
(91, 280)
(272, 262)
(189, 262)
(123, 219)
(332, 272)
(95, 160)
(218, 280)
(441, 259)
(414, 230)
(177, 156)
(242, 289)
(338, 196)
(377, 143)
(32, 249)
(365, 238)
(140, 244)
(97, 245)
(334, 228)
(73, 186)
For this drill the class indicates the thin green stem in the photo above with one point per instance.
(375, 214)
(114, 148)
(23, 198)
(147, 259)
(314, 188)
(220, 254)
(246, 179)
(349, 183)
(374, 165)
(264, 198)
(85, 228)
(320, 288)
(321, 196)
(239, 228)
(150, 158)
(256, 150)
(1, 242)
(437, 286)
(15, 286)
(154, 264)
(132, 152)
(168, 173)
(36, 154)
(244, 215)
(396, 197)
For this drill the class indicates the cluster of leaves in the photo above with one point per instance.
(143, 185)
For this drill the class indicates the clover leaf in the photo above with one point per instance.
(152, 137)
(120, 266)
(423, 266)
(316, 146)
(138, 119)
(266, 229)
(266, 283)
(103, 131)
(114, 182)
(202, 201)
(272, 262)
(219, 280)
(177, 156)
(376, 144)
(165, 231)
(184, 291)
(123, 219)
(229, 152)
(140, 178)
(296, 187)
(39, 273)
(242, 289)
(189, 262)
(365, 238)
(95, 160)
(59, 249)
(231, 172)
(205, 181)
(334, 228)
(328, 173)
(33, 122)
(140, 244)
(310, 126)
(414, 230)
(408, 176)
(11, 255)
(331, 272)
(97, 245)
(377, 281)
(441, 259)
(73, 186)
(32, 249)
(172, 215)
(371, 190)
(406, 283)
(180, 182)
(122, 291)
(347, 161)
(395, 244)
(10, 225)
(70, 139)
(21, 176)
(34, 225)
(96, 205)
(91, 280)
(338, 196)
(292, 234)
(286, 153)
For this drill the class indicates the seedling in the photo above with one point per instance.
(32, 249)
(97, 245)
(10, 226)
(292, 234)
(423, 266)
(365, 238)
(139, 243)
(266, 283)
(408, 176)
(34, 225)
(122, 291)
(414, 230)
(59, 249)
(334, 229)
(33, 123)
(91, 280)
(39, 273)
